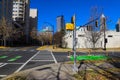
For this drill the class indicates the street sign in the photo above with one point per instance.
(70, 26)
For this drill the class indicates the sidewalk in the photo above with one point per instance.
(47, 72)
(64, 71)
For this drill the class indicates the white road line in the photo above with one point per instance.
(32, 50)
(54, 57)
(17, 50)
(3, 65)
(26, 62)
(41, 60)
(3, 75)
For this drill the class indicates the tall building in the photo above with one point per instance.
(6, 10)
(118, 26)
(21, 15)
(103, 22)
(33, 19)
(18, 10)
(60, 23)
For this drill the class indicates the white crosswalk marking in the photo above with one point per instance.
(3, 65)
(17, 50)
(3, 75)
(41, 60)
(32, 50)
(27, 62)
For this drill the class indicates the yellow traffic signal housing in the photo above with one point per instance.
(70, 26)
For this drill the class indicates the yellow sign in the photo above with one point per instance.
(69, 26)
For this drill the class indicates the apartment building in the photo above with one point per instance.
(21, 15)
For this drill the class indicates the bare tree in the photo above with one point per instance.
(45, 38)
(33, 33)
(6, 30)
(93, 37)
(58, 38)
(94, 34)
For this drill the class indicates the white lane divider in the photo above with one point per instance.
(3, 75)
(3, 65)
(54, 57)
(32, 50)
(26, 62)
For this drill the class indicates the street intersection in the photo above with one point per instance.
(16, 59)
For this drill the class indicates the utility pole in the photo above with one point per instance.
(105, 40)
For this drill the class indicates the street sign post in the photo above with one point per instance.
(75, 69)
(72, 27)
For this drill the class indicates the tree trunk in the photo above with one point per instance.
(93, 46)
(4, 42)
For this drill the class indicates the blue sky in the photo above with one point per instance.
(48, 10)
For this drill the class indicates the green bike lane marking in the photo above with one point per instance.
(3, 57)
(89, 57)
(15, 58)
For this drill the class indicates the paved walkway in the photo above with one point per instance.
(63, 71)
(47, 72)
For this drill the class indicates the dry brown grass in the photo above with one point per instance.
(96, 74)
(88, 50)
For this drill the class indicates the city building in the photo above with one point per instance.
(103, 22)
(113, 40)
(21, 16)
(6, 10)
(60, 23)
(118, 26)
(18, 10)
(33, 19)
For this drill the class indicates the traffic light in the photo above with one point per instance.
(96, 23)
(72, 19)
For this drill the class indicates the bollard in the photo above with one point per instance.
(69, 54)
(89, 52)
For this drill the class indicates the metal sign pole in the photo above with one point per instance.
(74, 45)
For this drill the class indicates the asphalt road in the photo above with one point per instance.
(17, 59)
(11, 59)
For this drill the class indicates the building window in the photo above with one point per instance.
(80, 35)
(110, 35)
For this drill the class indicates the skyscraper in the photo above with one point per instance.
(21, 15)
(60, 23)
(103, 22)
(18, 10)
(118, 26)
(33, 19)
(6, 10)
